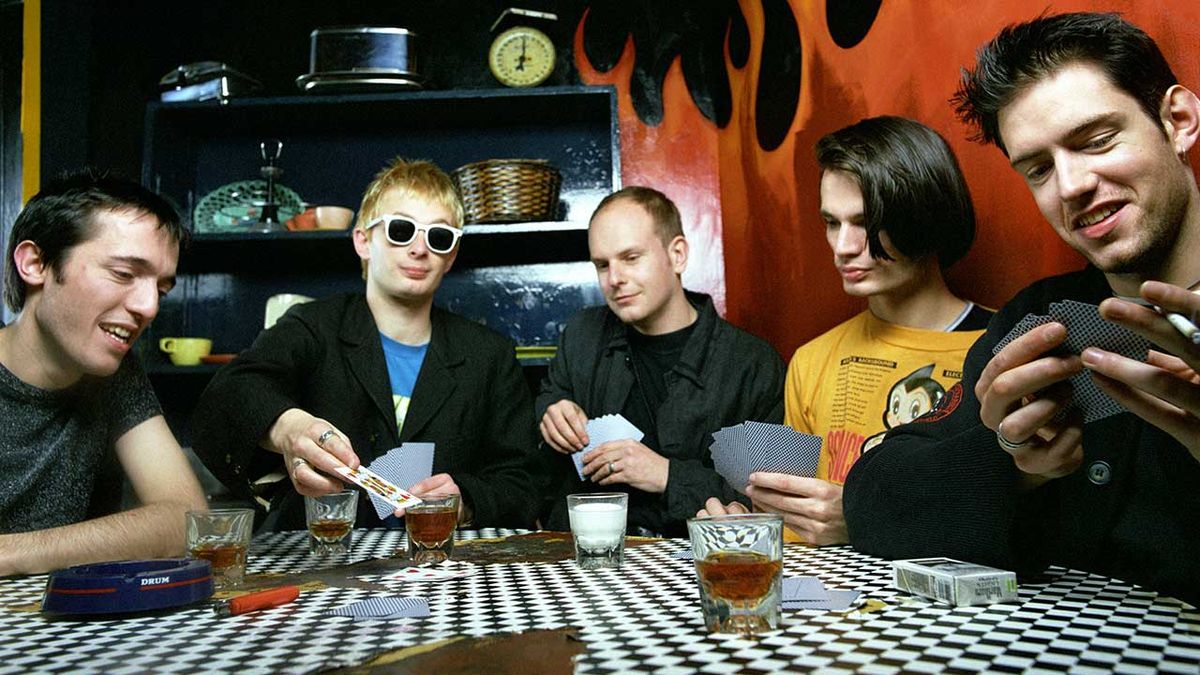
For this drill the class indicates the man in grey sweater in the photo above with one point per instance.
(89, 259)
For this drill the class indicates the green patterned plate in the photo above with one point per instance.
(235, 207)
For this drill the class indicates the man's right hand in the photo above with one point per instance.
(1017, 391)
(311, 465)
(564, 427)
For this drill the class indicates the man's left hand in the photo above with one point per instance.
(628, 462)
(439, 485)
(1165, 390)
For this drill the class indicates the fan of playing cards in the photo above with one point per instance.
(1085, 328)
(740, 450)
(603, 429)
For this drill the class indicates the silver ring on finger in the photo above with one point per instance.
(611, 470)
(325, 436)
(1009, 444)
(298, 462)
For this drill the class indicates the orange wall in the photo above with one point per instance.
(778, 279)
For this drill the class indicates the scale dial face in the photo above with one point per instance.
(521, 57)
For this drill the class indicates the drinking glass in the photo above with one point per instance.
(598, 527)
(739, 562)
(222, 537)
(330, 520)
(430, 526)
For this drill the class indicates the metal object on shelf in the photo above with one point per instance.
(362, 58)
(203, 81)
(269, 214)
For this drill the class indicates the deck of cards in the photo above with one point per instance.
(404, 466)
(603, 429)
(1085, 328)
(740, 450)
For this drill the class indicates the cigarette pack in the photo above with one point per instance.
(954, 582)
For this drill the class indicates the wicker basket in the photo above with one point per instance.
(508, 190)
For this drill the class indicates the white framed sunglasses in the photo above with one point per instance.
(402, 230)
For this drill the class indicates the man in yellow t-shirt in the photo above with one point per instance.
(897, 213)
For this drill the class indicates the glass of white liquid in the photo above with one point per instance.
(598, 526)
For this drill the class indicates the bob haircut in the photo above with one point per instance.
(1022, 54)
(912, 187)
(62, 215)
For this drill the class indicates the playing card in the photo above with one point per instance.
(1026, 324)
(742, 449)
(838, 601)
(806, 589)
(404, 466)
(376, 484)
(613, 427)
(384, 607)
(1085, 328)
(781, 449)
(442, 571)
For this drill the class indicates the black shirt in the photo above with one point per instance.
(652, 357)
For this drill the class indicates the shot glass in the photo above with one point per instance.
(739, 562)
(598, 527)
(430, 526)
(222, 537)
(330, 520)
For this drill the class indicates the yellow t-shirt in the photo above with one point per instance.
(863, 377)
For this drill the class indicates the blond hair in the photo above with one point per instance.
(410, 179)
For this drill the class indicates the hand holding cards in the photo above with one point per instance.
(1085, 328)
(601, 430)
(740, 450)
(405, 466)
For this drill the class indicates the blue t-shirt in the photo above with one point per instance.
(403, 364)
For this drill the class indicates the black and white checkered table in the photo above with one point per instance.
(644, 616)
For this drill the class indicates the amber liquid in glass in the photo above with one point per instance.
(738, 576)
(330, 529)
(221, 555)
(430, 526)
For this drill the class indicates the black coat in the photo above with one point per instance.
(945, 488)
(326, 358)
(725, 376)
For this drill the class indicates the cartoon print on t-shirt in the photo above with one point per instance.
(914, 395)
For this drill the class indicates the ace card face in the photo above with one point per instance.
(379, 486)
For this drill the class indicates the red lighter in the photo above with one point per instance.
(252, 602)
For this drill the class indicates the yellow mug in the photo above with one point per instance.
(185, 351)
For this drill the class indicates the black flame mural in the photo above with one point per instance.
(696, 33)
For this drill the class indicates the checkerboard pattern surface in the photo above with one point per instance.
(643, 617)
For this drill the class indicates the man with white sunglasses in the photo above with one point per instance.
(341, 381)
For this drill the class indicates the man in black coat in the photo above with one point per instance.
(1089, 113)
(661, 357)
(343, 380)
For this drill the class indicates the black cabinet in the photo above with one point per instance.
(523, 279)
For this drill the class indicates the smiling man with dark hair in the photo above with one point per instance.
(1089, 113)
(88, 261)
